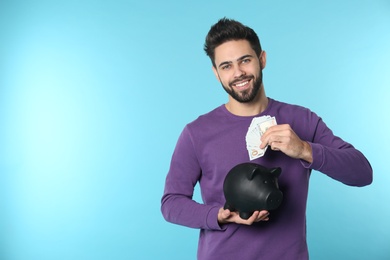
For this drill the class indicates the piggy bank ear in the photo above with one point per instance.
(276, 171)
(253, 173)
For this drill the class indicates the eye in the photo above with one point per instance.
(226, 67)
(244, 61)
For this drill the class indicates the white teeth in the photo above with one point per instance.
(241, 84)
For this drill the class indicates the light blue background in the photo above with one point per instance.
(93, 95)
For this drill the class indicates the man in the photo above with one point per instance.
(215, 142)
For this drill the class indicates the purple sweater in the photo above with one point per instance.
(214, 143)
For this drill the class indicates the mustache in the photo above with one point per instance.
(243, 78)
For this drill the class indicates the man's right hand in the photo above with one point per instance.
(227, 216)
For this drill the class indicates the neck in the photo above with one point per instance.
(255, 107)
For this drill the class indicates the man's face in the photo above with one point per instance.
(239, 69)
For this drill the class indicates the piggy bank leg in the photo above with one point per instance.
(245, 215)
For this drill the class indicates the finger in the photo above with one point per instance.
(253, 218)
(263, 144)
(250, 220)
(266, 140)
(226, 214)
(275, 129)
(274, 146)
(271, 140)
(260, 215)
(265, 219)
(263, 215)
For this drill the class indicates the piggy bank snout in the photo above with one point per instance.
(274, 199)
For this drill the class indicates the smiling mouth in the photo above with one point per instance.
(241, 85)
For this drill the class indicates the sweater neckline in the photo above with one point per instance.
(266, 111)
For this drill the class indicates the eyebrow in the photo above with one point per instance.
(239, 59)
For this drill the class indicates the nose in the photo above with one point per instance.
(274, 199)
(238, 71)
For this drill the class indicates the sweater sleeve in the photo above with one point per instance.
(177, 205)
(337, 158)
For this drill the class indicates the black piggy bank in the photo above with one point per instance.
(249, 187)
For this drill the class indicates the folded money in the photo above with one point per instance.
(256, 129)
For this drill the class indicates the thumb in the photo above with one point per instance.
(224, 213)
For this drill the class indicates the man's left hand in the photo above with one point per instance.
(283, 138)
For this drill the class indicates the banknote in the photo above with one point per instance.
(256, 129)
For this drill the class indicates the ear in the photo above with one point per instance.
(263, 59)
(253, 173)
(216, 73)
(276, 171)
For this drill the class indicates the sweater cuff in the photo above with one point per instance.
(318, 157)
(212, 220)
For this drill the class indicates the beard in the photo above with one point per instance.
(247, 95)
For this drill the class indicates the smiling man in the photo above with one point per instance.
(216, 142)
(242, 75)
